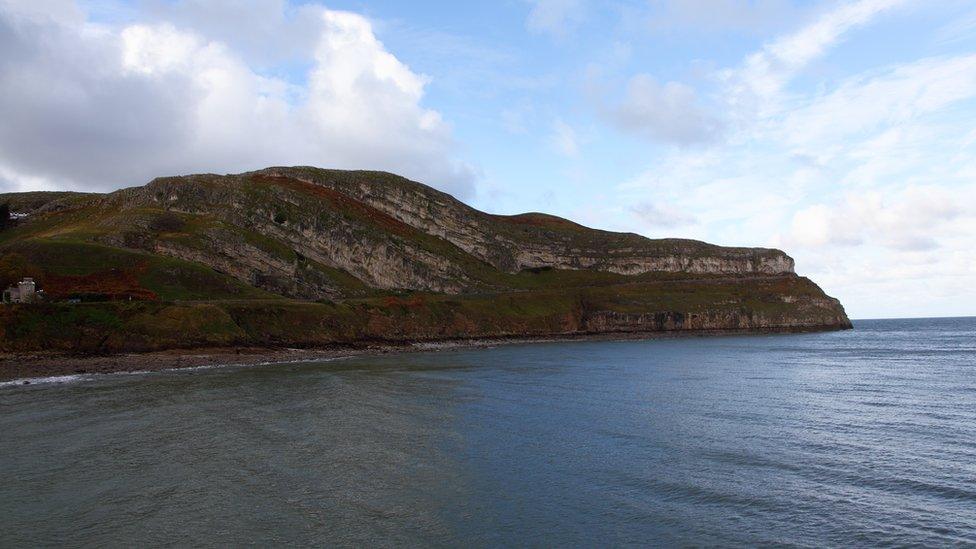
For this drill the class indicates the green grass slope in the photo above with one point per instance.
(665, 306)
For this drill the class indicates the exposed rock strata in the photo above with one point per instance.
(397, 234)
(514, 243)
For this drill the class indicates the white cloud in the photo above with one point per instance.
(883, 99)
(958, 30)
(513, 121)
(96, 107)
(867, 181)
(819, 226)
(701, 16)
(793, 51)
(673, 112)
(161, 49)
(555, 17)
(757, 83)
(661, 215)
(63, 11)
(564, 139)
(262, 32)
(669, 113)
(910, 219)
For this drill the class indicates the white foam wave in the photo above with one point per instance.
(45, 380)
(75, 378)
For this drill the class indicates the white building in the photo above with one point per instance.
(23, 292)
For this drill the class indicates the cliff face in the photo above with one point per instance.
(515, 243)
(367, 237)
(391, 233)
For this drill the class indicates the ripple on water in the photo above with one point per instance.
(861, 438)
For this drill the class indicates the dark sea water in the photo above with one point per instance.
(858, 438)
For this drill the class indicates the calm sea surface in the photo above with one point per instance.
(858, 438)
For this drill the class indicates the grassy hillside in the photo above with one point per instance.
(670, 306)
(65, 268)
(302, 256)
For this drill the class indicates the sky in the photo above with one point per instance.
(841, 131)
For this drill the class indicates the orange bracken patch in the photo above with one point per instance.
(413, 302)
(544, 221)
(114, 284)
(342, 202)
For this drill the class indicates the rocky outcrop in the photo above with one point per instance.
(392, 233)
(286, 229)
(281, 233)
(714, 321)
(515, 243)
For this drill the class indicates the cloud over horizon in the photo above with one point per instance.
(556, 18)
(95, 106)
(669, 113)
(866, 179)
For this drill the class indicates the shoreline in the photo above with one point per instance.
(30, 368)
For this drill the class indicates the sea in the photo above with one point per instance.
(860, 438)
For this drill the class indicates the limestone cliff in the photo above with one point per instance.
(285, 229)
(402, 259)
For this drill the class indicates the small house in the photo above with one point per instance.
(24, 291)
